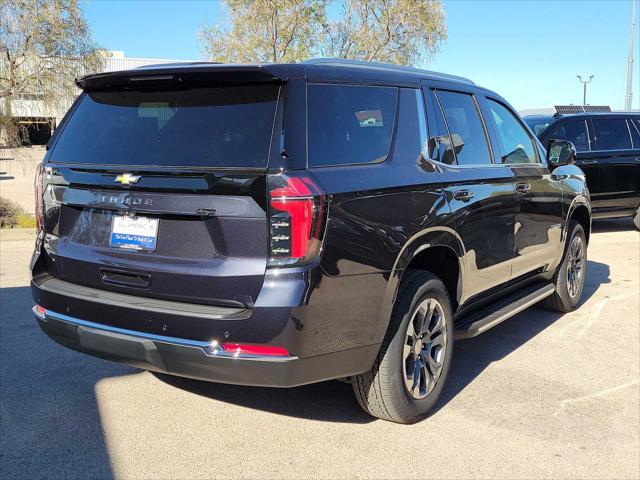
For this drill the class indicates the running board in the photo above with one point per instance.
(491, 316)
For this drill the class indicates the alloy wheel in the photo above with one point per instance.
(424, 348)
(575, 266)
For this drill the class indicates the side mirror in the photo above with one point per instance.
(560, 152)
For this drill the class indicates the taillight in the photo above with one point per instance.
(39, 191)
(296, 217)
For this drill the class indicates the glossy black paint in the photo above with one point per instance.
(613, 176)
(382, 218)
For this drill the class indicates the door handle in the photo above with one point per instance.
(523, 187)
(588, 162)
(464, 195)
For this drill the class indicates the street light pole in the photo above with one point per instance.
(584, 89)
(632, 35)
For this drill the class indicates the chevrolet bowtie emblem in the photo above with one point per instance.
(127, 179)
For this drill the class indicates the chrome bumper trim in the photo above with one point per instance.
(210, 349)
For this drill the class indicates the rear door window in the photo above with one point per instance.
(516, 145)
(538, 125)
(611, 134)
(468, 135)
(349, 124)
(574, 131)
(199, 127)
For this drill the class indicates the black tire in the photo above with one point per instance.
(381, 391)
(566, 297)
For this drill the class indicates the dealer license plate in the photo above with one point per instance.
(134, 233)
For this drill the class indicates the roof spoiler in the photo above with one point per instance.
(178, 74)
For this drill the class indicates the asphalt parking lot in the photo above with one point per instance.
(540, 396)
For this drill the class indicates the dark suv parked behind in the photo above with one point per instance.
(608, 146)
(286, 224)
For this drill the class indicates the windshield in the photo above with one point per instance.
(538, 124)
(201, 127)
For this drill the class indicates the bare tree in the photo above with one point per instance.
(44, 45)
(405, 32)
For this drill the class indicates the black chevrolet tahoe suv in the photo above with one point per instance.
(608, 152)
(279, 225)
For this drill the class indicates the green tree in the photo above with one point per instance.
(407, 32)
(265, 31)
(44, 45)
(404, 32)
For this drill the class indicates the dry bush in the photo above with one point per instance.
(10, 212)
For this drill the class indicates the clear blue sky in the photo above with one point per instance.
(528, 51)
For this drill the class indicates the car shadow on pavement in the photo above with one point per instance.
(471, 357)
(51, 425)
(331, 401)
(334, 401)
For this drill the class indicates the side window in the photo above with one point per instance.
(516, 145)
(349, 124)
(439, 145)
(468, 136)
(611, 133)
(575, 131)
(635, 133)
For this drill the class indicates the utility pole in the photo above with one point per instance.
(632, 36)
(584, 89)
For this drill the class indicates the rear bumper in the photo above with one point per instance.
(198, 359)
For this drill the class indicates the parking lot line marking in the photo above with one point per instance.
(601, 393)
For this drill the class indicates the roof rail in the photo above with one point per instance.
(386, 66)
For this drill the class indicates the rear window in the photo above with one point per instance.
(200, 127)
(349, 124)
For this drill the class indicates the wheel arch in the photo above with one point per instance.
(442, 261)
(580, 212)
(438, 250)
